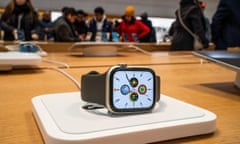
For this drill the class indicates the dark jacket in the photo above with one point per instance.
(0, 29)
(81, 27)
(29, 25)
(46, 24)
(226, 24)
(107, 27)
(193, 18)
(151, 36)
(64, 31)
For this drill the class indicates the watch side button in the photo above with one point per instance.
(122, 65)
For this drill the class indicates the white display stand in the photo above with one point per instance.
(96, 49)
(11, 59)
(100, 48)
(62, 120)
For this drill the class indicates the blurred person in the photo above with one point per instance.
(63, 28)
(226, 25)
(171, 29)
(81, 25)
(64, 9)
(1, 31)
(20, 21)
(46, 26)
(130, 29)
(116, 24)
(115, 35)
(99, 25)
(207, 22)
(61, 17)
(193, 18)
(151, 36)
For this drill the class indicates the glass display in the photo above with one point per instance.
(133, 90)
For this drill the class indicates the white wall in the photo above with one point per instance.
(160, 8)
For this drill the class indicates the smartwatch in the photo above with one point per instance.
(122, 89)
(28, 47)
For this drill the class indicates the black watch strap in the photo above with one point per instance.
(93, 88)
(158, 87)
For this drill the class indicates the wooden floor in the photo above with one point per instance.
(183, 77)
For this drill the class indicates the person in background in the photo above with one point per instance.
(171, 29)
(130, 29)
(116, 24)
(63, 28)
(1, 32)
(226, 25)
(81, 25)
(20, 21)
(99, 25)
(60, 18)
(193, 18)
(207, 22)
(46, 26)
(64, 9)
(150, 37)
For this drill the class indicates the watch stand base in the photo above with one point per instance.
(62, 120)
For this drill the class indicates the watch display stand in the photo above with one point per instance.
(8, 60)
(62, 120)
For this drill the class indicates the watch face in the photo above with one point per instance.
(132, 90)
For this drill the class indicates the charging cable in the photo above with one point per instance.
(87, 106)
(140, 49)
(66, 75)
(56, 62)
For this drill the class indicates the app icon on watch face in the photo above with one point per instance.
(134, 82)
(133, 97)
(125, 89)
(142, 89)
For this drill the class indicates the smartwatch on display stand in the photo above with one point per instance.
(127, 93)
(122, 89)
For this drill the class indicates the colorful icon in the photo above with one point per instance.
(142, 89)
(125, 89)
(133, 97)
(134, 82)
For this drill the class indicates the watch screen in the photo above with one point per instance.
(132, 89)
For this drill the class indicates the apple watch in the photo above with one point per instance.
(122, 89)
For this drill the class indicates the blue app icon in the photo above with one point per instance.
(125, 89)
